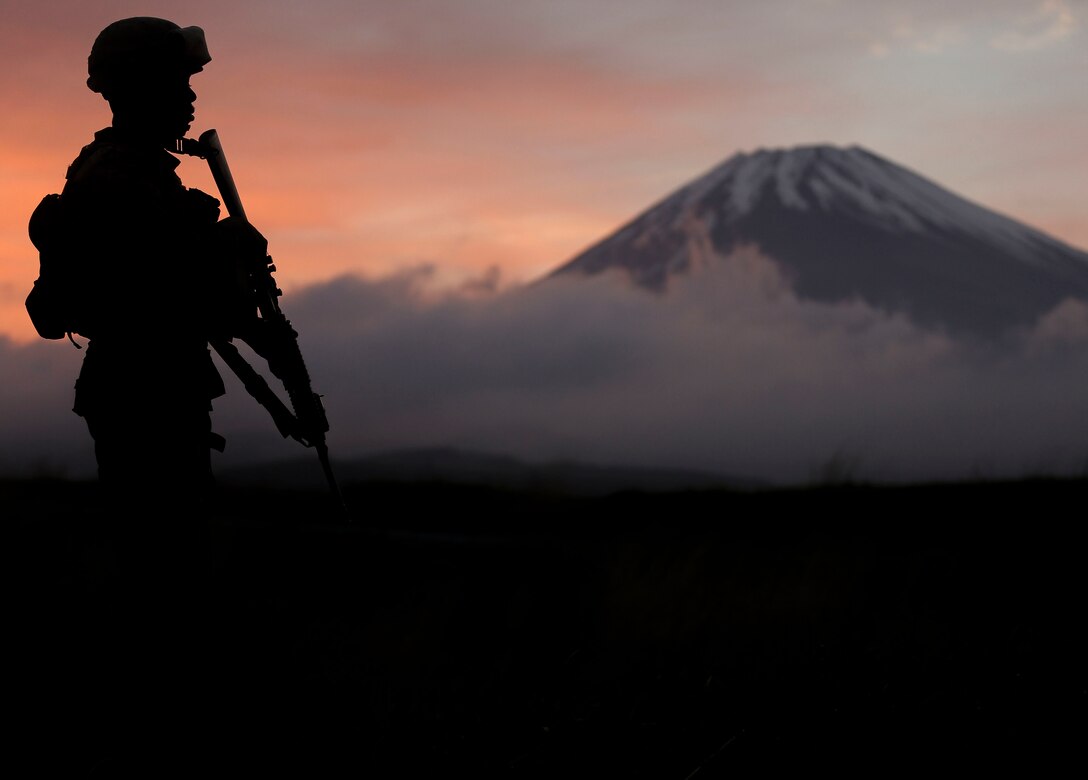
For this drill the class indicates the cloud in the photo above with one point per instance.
(1052, 22)
(1003, 25)
(39, 434)
(729, 371)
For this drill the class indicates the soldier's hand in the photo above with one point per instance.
(239, 239)
(200, 207)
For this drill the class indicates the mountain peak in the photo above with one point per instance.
(825, 177)
(845, 223)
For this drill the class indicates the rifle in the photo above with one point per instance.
(305, 421)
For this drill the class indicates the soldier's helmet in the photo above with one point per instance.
(142, 46)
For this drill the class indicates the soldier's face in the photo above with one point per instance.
(172, 106)
(160, 105)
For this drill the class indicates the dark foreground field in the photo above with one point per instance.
(453, 630)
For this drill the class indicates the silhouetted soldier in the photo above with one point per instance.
(152, 270)
(154, 277)
(155, 280)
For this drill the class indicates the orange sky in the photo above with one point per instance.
(473, 135)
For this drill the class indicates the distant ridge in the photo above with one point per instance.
(465, 468)
(843, 224)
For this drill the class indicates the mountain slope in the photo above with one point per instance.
(844, 223)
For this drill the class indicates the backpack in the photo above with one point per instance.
(51, 302)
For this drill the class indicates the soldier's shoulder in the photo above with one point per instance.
(100, 162)
(107, 167)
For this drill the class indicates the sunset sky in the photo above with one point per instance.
(494, 140)
(413, 163)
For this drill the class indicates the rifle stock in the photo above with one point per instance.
(305, 421)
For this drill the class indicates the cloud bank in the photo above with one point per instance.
(727, 371)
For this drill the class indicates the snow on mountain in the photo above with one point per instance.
(844, 223)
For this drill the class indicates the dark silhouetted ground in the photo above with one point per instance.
(448, 629)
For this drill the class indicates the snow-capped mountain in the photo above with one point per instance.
(844, 223)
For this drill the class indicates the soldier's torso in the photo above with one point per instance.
(142, 241)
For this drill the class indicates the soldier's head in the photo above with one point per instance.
(142, 66)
